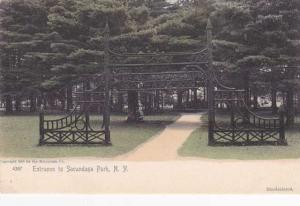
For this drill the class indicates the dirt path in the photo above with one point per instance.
(164, 146)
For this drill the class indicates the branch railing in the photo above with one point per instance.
(60, 123)
(253, 129)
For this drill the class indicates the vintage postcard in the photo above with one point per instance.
(150, 96)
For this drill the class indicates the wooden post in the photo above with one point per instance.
(86, 107)
(106, 117)
(41, 116)
(232, 119)
(87, 124)
(210, 85)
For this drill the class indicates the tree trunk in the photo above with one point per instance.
(51, 100)
(39, 101)
(290, 108)
(112, 102)
(32, 103)
(205, 99)
(246, 97)
(69, 98)
(44, 97)
(179, 99)
(63, 101)
(273, 100)
(162, 101)
(298, 104)
(151, 102)
(195, 98)
(156, 100)
(132, 106)
(87, 96)
(246, 88)
(188, 98)
(148, 103)
(255, 100)
(8, 104)
(18, 104)
(120, 102)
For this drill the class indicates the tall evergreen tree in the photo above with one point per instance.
(22, 22)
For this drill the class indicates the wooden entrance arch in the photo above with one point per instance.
(163, 71)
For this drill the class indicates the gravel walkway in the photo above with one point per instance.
(164, 146)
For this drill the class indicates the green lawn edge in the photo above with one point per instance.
(196, 146)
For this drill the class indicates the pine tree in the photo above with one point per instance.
(21, 23)
(253, 37)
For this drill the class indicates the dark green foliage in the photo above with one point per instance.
(139, 14)
(48, 44)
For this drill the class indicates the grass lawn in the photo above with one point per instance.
(196, 146)
(19, 136)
